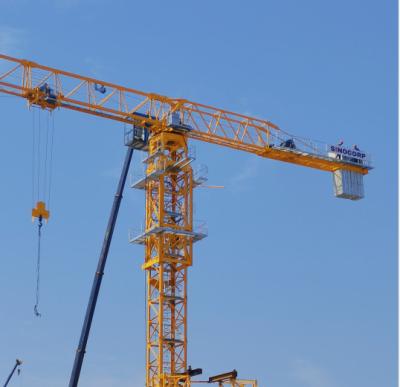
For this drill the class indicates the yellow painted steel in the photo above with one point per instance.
(209, 124)
(40, 211)
(232, 383)
(169, 233)
(168, 254)
(240, 383)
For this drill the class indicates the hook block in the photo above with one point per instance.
(40, 211)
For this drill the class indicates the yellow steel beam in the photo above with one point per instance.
(217, 126)
(168, 254)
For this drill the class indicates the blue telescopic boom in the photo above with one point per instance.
(80, 353)
(17, 363)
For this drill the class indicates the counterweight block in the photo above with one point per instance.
(348, 184)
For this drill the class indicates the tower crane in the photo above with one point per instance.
(162, 127)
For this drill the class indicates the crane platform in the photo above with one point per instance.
(141, 237)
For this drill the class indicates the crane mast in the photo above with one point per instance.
(162, 126)
(168, 238)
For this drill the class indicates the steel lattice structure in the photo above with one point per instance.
(26, 79)
(168, 254)
(162, 126)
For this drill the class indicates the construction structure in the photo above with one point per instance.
(162, 127)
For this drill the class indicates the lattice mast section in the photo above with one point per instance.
(168, 254)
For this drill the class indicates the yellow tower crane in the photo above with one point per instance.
(162, 127)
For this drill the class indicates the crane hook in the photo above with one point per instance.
(40, 213)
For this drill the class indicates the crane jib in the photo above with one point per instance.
(51, 88)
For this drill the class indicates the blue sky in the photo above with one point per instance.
(292, 286)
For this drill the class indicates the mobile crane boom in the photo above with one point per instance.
(162, 127)
(17, 364)
(94, 294)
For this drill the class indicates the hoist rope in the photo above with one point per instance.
(36, 307)
(45, 191)
(51, 158)
(42, 168)
(38, 156)
(33, 154)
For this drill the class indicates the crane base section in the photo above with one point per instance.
(348, 184)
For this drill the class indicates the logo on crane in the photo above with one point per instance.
(355, 152)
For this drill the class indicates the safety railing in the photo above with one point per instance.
(352, 155)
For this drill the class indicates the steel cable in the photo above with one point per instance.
(36, 307)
